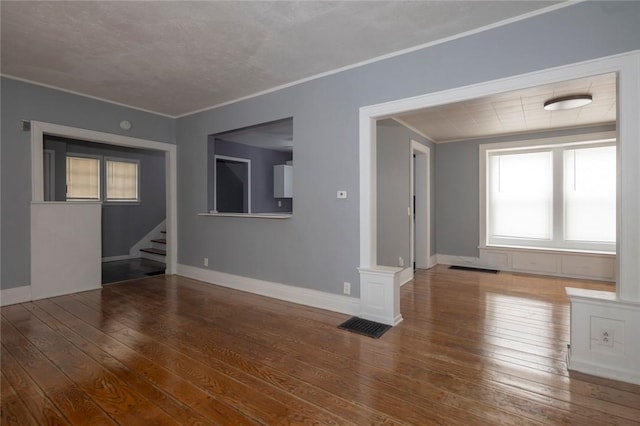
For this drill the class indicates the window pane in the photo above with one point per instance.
(83, 178)
(590, 194)
(122, 180)
(521, 195)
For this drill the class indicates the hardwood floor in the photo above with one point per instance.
(474, 348)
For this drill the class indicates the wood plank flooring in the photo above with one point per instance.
(473, 348)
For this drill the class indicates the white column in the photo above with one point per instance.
(628, 282)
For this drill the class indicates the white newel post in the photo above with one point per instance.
(380, 294)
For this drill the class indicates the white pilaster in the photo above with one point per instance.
(380, 294)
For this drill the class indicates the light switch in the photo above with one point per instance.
(342, 194)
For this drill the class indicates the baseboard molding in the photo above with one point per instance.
(302, 296)
(606, 371)
(116, 258)
(11, 296)
(447, 259)
(406, 275)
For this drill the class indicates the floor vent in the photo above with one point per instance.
(469, 268)
(365, 327)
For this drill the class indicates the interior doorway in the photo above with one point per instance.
(420, 235)
(42, 277)
(233, 185)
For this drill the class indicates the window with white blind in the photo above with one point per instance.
(121, 180)
(553, 196)
(83, 178)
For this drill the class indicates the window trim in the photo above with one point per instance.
(100, 166)
(121, 201)
(529, 145)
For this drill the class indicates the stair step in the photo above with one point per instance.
(160, 241)
(154, 251)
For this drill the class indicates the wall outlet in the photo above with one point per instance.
(400, 261)
(347, 288)
(605, 337)
(205, 262)
(279, 203)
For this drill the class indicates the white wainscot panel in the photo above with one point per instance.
(535, 262)
(589, 266)
(594, 266)
(495, 259)
(66, 248)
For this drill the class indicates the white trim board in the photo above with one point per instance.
(303, 296)
(11, 296)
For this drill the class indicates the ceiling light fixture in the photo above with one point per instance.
(567, 102)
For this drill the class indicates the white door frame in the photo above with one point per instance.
(39, 129)
(626, 65)
(421, 223)
(215, 179)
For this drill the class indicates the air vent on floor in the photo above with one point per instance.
(365, 327)
(469, 268)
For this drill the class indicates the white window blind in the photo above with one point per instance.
(121, 180)
(521, 195)
(590, 194)
(83, 178)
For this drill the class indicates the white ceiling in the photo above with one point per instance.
(176, 57)
(517, 112)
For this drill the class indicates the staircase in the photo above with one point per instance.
(158, 249)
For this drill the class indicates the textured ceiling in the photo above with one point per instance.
(276, 135)
(517, 112)
(175, 57)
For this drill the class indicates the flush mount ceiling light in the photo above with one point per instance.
(567, 102)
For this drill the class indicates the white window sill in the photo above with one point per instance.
(258, 215)
(121, 203)
(546, 250)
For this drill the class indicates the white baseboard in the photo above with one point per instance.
(406, 275)
(303, 296)
(612, 371)
(11, 296)
(116, 258)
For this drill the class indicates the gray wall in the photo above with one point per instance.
(319, 247)
(393, 197)
(262, 162)
(23, 101)
(457, 197)
(123, 225)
